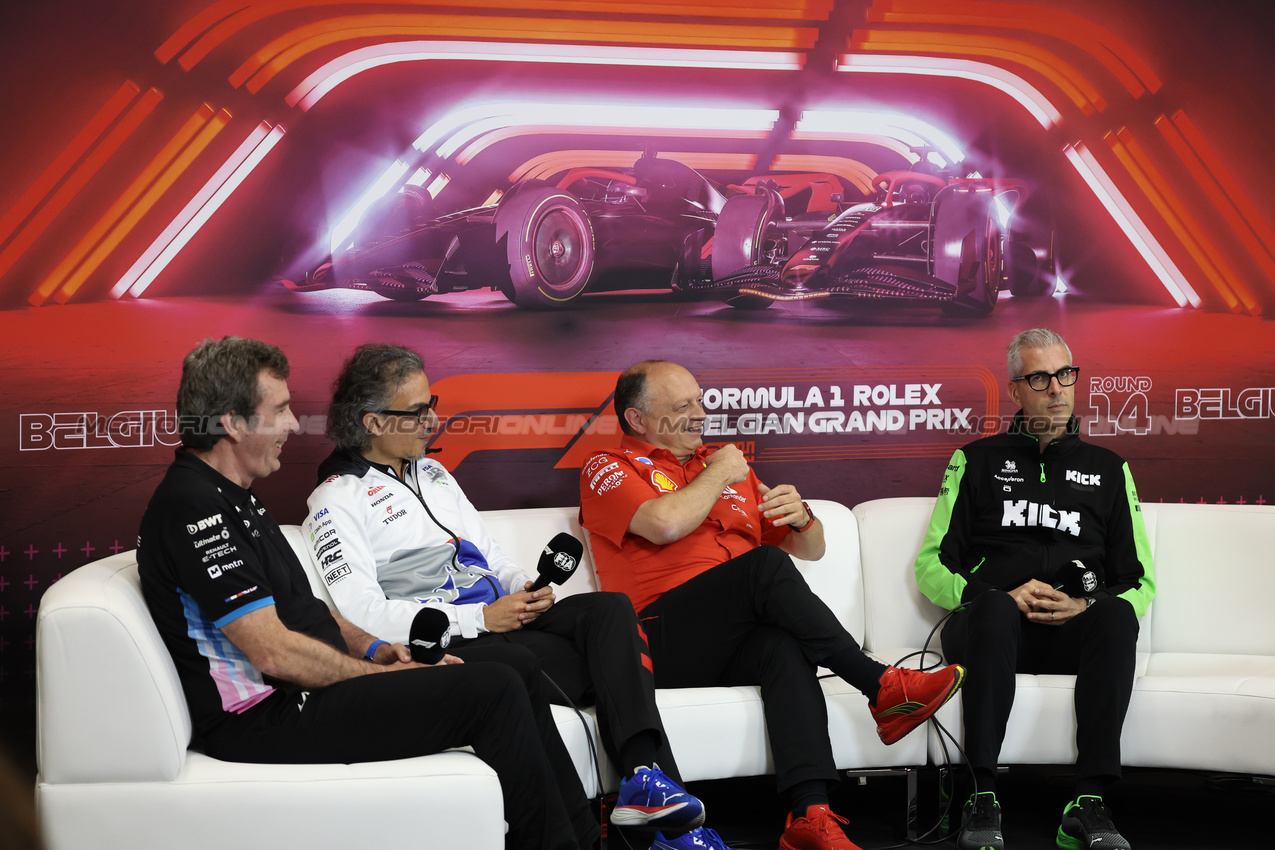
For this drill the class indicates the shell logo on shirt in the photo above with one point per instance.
(662, 482)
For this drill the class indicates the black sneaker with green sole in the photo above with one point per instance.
(1086, 825)
(981, 824)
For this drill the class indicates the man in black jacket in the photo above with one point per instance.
(1037, 543)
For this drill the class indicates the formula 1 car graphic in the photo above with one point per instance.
(921, 237)
(543, 243)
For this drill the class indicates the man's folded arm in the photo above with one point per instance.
(290, 656)
(671, 516)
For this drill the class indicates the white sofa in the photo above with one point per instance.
(1204, 692)
(113, 731)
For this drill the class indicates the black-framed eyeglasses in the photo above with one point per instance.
(1039, 381)
(421, 415)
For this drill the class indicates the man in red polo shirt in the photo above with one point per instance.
(703, 549)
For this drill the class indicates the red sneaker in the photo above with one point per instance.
(820, 829)
(909, 697)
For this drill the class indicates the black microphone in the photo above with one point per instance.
(1075, 579)
(558, 560)
(429, 636)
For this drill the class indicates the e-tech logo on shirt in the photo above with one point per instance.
(204, 524)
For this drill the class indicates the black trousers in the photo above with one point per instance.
(482, 704)
(992, 638)
(591, 646)
(753, 620)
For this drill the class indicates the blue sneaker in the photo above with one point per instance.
(696, 839)
(650, 799)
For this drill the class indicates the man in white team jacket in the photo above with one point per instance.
(392, 532)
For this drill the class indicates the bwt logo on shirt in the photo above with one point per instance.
(1081, 478)
(1025, 513)
(204, 524)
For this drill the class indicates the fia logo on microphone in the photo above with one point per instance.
(564, 562)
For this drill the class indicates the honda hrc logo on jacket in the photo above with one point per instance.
(1030, 514)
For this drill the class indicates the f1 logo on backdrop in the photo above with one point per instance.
(538, 410)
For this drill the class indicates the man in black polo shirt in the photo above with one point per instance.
(270, 675)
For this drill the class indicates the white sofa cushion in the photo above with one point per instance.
(115, 771)
(1203, 711)
(109, 705)
(522, 535)
(1215, 578)
(445, 800)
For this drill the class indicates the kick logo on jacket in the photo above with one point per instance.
(1025, 513)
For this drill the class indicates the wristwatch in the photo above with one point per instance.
(809, 522)
(1089, 601)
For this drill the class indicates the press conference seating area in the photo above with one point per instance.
(115, 770)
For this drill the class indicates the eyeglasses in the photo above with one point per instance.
(1039, 381)
(421, 415)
